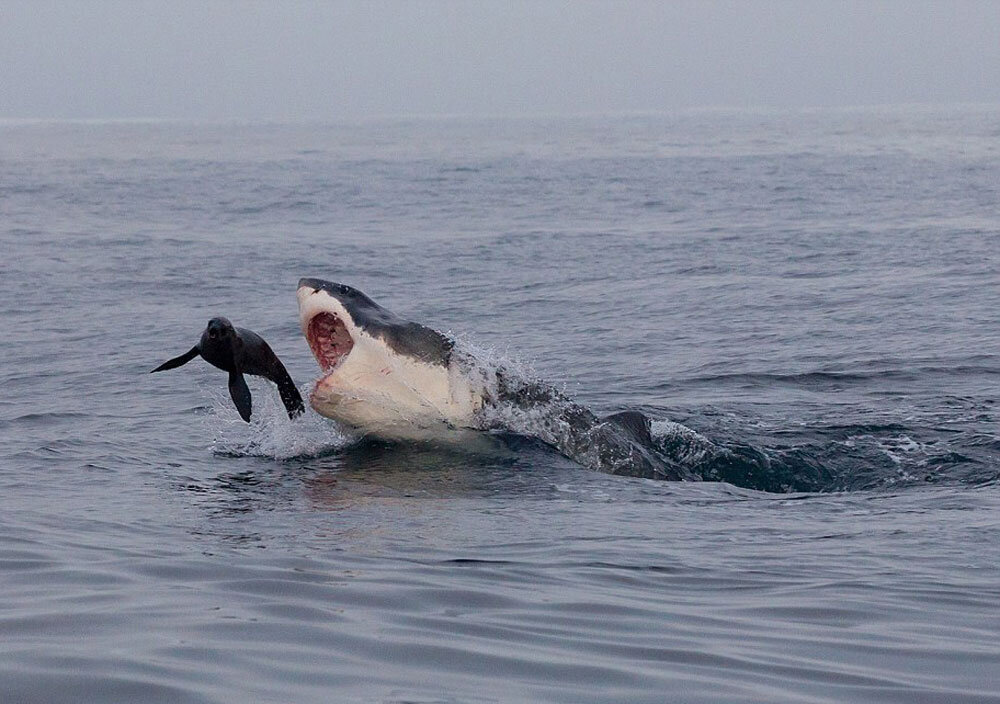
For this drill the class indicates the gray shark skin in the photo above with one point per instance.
(620, 443)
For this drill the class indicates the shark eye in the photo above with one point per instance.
(344, 289)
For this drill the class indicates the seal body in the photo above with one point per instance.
(239, 351)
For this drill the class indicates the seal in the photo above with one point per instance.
(239, 351)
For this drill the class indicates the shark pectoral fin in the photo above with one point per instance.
(178, 361)
(240, 392)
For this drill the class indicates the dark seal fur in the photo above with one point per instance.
(239, 351)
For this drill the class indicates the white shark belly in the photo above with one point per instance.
(395, 397)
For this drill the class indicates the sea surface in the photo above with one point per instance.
(821, 286)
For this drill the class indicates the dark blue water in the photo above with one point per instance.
(819, 287)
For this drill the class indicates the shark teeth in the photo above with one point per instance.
(329, 340)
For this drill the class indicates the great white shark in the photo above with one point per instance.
(396, 379)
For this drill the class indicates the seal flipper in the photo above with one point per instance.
(289, 394)
(178, 361)
(240, 392)
(276, 372)
(257, 358)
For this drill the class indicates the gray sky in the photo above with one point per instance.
(329, 60)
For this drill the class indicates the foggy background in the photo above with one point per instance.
(309, 60)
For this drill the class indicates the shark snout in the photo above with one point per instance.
(312, 284)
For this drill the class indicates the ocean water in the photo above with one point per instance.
(819, 286)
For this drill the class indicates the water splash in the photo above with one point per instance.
(686, 445)
(518, 401)
(627, 443)
(271, 433)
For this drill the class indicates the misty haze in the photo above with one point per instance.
(504, 352)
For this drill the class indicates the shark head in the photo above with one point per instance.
(377, 368)
(336, 317)
(327, 321)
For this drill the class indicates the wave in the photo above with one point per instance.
(830, 378)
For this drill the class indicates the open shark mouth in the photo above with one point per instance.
(329, 340)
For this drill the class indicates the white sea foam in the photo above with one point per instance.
(518, 401)
(688, 446)
(271, 433)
